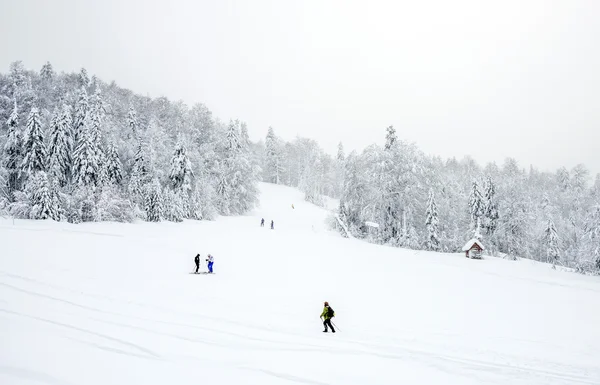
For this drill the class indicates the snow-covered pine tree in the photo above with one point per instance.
(244, 137)
(273, 158)
(311, 181)
(551, 240)
(476, 207)
(410, 238)
(13, 151)
(140, 173)
(84, 79)
(47, 72)
(338, 171)
(592, 240)
(34, 147)
(431, 222)
(81, 114)
(97, 111)
(173, 206)
(154, 203)
(579, 178)
(43, 195)
(563, 179)
(340, 157)
(238, 184)
(596, 189)
(114, 169)
(490, 215)
(60, 146)
(390, 138)
(18, 74)
(181, 170)
(113, 205)
(86, 164)
(132, 121)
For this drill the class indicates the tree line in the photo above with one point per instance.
(77, 149)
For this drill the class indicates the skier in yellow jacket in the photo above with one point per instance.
(326, 316)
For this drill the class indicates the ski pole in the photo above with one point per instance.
(335, 325)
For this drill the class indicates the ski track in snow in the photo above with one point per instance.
(114, 303)
(31, 375)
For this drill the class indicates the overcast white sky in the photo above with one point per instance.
(489, 79)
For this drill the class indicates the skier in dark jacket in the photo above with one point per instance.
(262, 222)
(272, 225)
(326, 316)
(197, 261)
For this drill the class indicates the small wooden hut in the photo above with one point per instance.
(473, 249)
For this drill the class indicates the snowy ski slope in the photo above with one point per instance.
(104, 303)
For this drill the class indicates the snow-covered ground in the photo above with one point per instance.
(104, 303)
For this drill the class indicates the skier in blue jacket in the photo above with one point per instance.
(210, 261)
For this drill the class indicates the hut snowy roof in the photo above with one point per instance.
(469, 245)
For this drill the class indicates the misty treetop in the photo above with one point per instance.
(77, 149)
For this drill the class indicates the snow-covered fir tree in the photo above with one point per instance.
(551, 239)
(237, 185)
(86, 163)
(154, 202)
(13, 151)
(174, 209)
(140, 173)
(274, 158)
(490, 214)
(60, 146)
(564, 179)
(390, 137)
(114, 168)
(132, 122)
(113, 205)
(181, 170)
(432, 242)
(47, 72)
(341, 156)
(81, 114)
(34, 147)
(476, 207)
(84, 78)
(43, 195)
(97, 111)
(591, 261)
(244, 137)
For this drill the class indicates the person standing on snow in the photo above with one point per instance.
(197, 261)
(326, 316)
(210, 261)
(272, 225)
(262, 222)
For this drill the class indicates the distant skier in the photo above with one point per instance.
(210, 261)
(292, 205)
(272, 225)
(326, 316)
(262, 222)
(197, 261)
